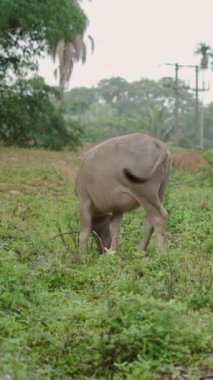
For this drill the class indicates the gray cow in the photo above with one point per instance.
(118, 176)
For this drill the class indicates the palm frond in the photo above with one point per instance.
(92, 43)
(68, 53)
(205, 51)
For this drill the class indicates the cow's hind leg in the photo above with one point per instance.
(147, 233)
(148, 226)
(115, 230)
(157, 219)
(160, 224)
(85, 225)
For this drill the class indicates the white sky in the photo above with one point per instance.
(135, 38)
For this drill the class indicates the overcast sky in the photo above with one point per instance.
(135, 38)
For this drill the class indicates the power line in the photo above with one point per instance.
(196, 89)
(176, 89)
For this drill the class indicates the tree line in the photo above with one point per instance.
(35, 114)
(115, 107)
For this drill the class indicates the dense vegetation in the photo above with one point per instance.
(125, 316)
(30, 111)
(115, 107)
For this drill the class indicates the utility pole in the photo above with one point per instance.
(176, 89)
(197, 90)
(196, 97)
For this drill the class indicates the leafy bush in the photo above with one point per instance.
(30, 116)
(146, 334)
(208, 155)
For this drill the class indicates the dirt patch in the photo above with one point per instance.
(184, 375)
(192, 161)
(66, 162)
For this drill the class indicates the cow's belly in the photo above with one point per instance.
(117, 200)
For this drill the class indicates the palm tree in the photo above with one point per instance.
(158, 123)
(68, 53)
(205, 51)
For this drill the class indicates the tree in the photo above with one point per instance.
(113, 89)
(68, 53)
(79, 100)
(208, 119)
(158, 123)
(30, 118)
(205, 51)
(29, 28)
(144, 105)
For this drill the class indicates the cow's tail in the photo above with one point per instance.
(138, 180)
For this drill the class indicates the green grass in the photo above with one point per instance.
(125, 316)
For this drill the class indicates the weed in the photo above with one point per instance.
(124, 316)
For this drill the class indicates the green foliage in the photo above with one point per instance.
(145, 334)
(158, 123)
(28, 111)
(79, 100)
(29, 28)
(117, 107)
(208, 126)
(29, 116)
(126, 316)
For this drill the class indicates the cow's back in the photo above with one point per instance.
(101, 174)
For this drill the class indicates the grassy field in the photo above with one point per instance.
(126, 316)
